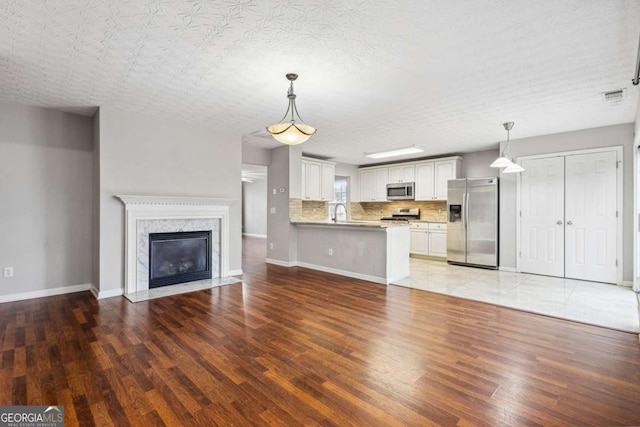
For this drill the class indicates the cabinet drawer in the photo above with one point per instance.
(419, 226)
(434, 226)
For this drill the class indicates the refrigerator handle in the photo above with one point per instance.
(466, 210)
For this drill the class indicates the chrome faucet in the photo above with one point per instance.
(335, 216)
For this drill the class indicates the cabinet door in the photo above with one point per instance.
(424, 181)
(328, 182)
(408, 173)
(438, 244)
(314, 181)
(401, 173)
(366, 185)
(303, 191)
(444, 171)
(381, 179)
(395, 174)
(419, 242)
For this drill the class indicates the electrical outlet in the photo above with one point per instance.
(275, 191)
(8, 272)
(270, 245)
(330, 252)
(272, 210)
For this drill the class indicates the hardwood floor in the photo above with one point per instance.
(292, 346)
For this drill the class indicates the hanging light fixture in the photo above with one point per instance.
(289, 130)
(506, 159)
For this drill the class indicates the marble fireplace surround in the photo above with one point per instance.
(151, 214)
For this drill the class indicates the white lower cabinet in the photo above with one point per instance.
(429, 239)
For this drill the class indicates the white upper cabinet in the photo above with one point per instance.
(317, 180)
(424, 188)
(373, 184)
(328, 182)
(402, 173)
(432, 177)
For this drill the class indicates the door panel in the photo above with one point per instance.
(456, 231)
(542, 217)
(590, 232)
(482, 222)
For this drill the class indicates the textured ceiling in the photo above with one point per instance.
(374, 74)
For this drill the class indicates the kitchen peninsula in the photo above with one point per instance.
(368, 250)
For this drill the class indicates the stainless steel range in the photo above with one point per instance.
(403, 214)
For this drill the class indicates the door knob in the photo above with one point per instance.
(559, 222)
(569, 223)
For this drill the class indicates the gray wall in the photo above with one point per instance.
(476, 164)
(619, 135)
(254, 207)
(256, 155)
(142, 155)
(280, 232)
(46, 198)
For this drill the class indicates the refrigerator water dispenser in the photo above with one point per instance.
(455, 213)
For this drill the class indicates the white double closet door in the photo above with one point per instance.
(569, 218)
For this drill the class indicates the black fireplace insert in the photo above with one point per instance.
(179, 257)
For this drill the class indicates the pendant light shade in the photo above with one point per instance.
(501, 162)
(291, 130)
(506, 159)
(513, 168)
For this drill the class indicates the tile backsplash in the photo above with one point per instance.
(304, 210)
(435, 211)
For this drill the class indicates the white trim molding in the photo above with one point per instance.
(509, 269)
(105, 294)
(235, 272)
(374, 279)
(259, 236)
(45, 293)
(141, 209)
(280, 263)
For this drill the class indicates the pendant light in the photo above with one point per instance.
(506, 159)
(291, 131)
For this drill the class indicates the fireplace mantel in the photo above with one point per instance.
(172, 200)
(144, 214)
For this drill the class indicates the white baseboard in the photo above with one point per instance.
(366, 277)
(509, 269)
(627, 283)
(106, 294)
(235, 272)
(281, 263)
(259, 236)
(45, 293)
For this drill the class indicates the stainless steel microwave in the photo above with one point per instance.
(400, 191)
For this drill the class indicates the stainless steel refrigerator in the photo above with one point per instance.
(472, 230)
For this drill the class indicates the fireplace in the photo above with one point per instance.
(147, 215)
(179, 257)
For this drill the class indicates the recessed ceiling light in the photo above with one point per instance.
(395, 152)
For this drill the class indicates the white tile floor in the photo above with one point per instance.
(598, 304)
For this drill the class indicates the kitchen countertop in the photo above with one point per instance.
(360, 224)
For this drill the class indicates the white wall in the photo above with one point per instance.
(619, 135)
(476, 164)
(45, 199)
(254, 207)
(142, 155)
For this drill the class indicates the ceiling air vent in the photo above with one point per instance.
(614, 95)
